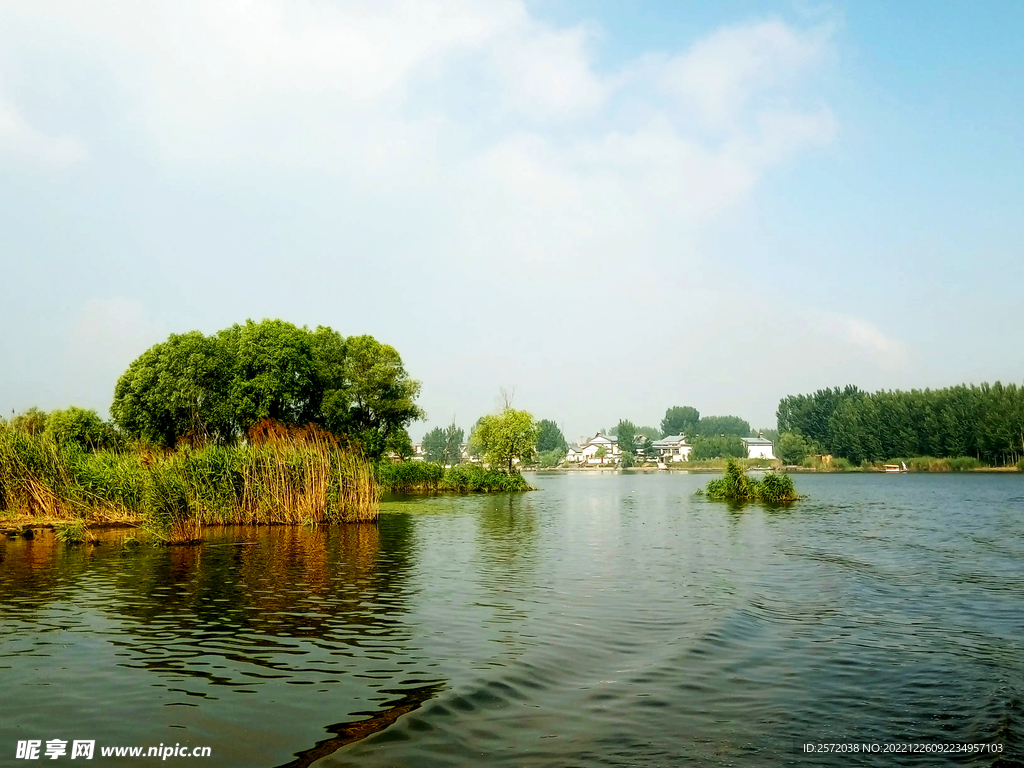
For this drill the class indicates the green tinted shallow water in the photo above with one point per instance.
(603, 620)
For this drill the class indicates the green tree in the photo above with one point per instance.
(730, 426)
(627, 459)
(177, 388)
(79, 426)
(434, 445)
(453, 437)
(601, 453)
(717, 448)
(626, 433)
(649, 432)
(679, 420)
(216, 387)
(550, 437)
(503, 438)
(792, 448)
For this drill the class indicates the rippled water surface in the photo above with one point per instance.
(603, 620)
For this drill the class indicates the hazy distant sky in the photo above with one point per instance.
(611, 207)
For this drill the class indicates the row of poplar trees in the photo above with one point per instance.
(986, 422)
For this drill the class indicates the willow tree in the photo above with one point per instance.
(504, 438)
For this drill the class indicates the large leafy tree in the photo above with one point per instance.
(177, 388)
(680, 420)
(550, 437)
(505, 437)
(216, 387)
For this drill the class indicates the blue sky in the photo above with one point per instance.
(613, 208)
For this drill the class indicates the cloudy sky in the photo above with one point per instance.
(612, 210)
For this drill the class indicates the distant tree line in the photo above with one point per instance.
(984, 421)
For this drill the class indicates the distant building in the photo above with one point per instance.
(758, 447)
(574, 455)
(672, 448)
(586, 451)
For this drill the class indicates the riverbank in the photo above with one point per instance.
(292, 477)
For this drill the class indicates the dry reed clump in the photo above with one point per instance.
(282, 475)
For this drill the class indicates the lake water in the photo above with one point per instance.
(605, 620)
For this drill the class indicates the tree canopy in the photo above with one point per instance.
(984, 421)
(717, 448)
(80, 426)
(716, 426)
(503, 438)
(679, 420)
(550, 437)
(216, 387)
(443, 445)
(625, 431)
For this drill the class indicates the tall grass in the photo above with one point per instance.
(736, 486)
(281, 475)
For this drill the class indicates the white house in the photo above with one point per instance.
(574, 455)
(596, 443)
(672, 448)
(758, 447)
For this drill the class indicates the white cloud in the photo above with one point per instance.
(864, 335)
(19, 139)
(719, 76)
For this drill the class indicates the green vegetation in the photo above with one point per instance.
(717, 448)
(550, 437)
(650, 433)
(551, 458)
(722, 426)
(443, 445)
(627, 459)
(281, 475)
(412, 476)
(505, 438)
(212, 389)
(679, 420)
(792, 449)
(985, 422)
(720, 464)
(736, 486)
(625, 431)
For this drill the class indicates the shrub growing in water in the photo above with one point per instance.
(736, 486)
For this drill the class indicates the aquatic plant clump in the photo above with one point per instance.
(736, 486)
(297, 475)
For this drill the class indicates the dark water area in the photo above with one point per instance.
(605, 620)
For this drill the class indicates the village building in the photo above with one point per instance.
(587, 450)
(672, 448)
(758, 447)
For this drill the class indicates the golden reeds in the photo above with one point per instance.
(282, 475)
